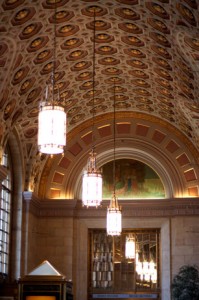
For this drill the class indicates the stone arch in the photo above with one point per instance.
(138, 136)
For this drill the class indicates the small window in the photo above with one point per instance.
(5, 207)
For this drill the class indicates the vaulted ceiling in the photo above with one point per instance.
(148, 49)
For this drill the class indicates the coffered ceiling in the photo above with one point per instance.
(148, 49)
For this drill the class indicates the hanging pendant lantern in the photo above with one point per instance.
(92, 183)
(51, 129)
(114, 218)
(114, 211)
(92, 177)
(130, 247)
(52, 116)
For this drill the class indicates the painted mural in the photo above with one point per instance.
(133, 180)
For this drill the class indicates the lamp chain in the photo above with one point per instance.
(114, 174)
(93, 79)
(54, 54)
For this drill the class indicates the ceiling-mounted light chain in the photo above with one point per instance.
(92, 177)
(52, 115)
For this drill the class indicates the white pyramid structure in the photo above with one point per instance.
(45, 269)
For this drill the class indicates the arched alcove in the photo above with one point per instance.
(159, 145)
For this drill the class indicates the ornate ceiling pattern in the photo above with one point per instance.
(148, 49)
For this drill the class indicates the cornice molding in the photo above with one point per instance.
(130, 208)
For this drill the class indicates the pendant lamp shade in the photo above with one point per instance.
(51, 129)
(92, 183)
(114, 218)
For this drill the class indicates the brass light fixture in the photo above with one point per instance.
(114, 212)
(52, 116)
(92, 177)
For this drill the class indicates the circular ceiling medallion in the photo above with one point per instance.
(193, 107)
(86, 85)
(71, 102)
(23, 16)
(119, 97)
(99, 25)
(73, 111)
(106, 50)
(16, 116)
(84, 76)
(51, 3)
(132, 40)
(127, 13)
(116, 80)
(26, 86)
(72, 43)
(139, 74)
(144, 100)
(122, 105)
(186, 13)
(11, 4)
(165, 100)
(164, 92)
(33, 95)
(112, 71)
(159, 38)
(157, 9)
(192, 42)
(30, 30)
(47, 68)
(8, 110)
(117, 89)
(134, 53)
(89, 94)
(43, 56)
(128, 2)
(158, 25)
(186, 69)
(98, 109)
(186, 90)
(109, 60)
(67, 30)
(81, 65)
(66, 94)
(94, 9)
(97, 101)
(145, 107)
(61, 16)
(142, 92)
(162, 63)
(33, 113)
(164, 83)
(161, 51)
(77, 54)
(37, 44)
(163, 73)
(140, 82)
(20, 75)
(130, 27)
(77, 118)
(103, 38)
(137, 64)
(30, 132)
